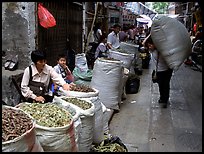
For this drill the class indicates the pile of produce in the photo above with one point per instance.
(109, 147)
(78, 102)
(48, 115)
(82, 88)
(14, 123)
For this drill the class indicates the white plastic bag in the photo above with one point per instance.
(81, 62)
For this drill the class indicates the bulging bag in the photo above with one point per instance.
(172, 39)
(45, 17)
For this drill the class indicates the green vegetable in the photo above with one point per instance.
(80, 103)
(48, 115)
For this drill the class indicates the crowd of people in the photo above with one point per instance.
(102, 41)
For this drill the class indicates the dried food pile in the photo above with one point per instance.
(14, 123)
(109, 147)
(82, 88)
(80, 103)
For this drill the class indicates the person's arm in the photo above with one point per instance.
(109, 45)
(100, 32)
(57, 78)
(69, 74)
(57, 69)
(109, 40)
(144, 41)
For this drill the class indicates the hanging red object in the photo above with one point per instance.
(46, 19)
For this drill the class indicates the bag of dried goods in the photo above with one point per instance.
(80, 90)
(54, 126)
(75, 114)
(18, 131)
(86, 109)
(84, 91)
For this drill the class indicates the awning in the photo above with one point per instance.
(169, 15)
(140, 9)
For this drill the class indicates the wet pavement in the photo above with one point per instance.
(143, 126)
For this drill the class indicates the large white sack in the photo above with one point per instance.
(172, 39)
(107, 77)
(125, 58)
(98, 114)
(98, 133)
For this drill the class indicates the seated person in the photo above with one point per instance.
(101, 50)
(62, 68)
(113, 41)
(40, 72)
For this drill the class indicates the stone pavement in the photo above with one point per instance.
(143, 126)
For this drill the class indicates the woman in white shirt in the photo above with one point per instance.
(41, 72)
(97, 32)
(101, 50)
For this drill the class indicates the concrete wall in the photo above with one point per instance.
(18, 30)
(18, 38)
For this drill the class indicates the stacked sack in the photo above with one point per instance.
(86, 109)
(91, 94)
(75, 114)
(125, 57)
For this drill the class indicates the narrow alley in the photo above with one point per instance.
(144, 126)
(79, 76)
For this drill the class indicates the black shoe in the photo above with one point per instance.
(162, 104)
